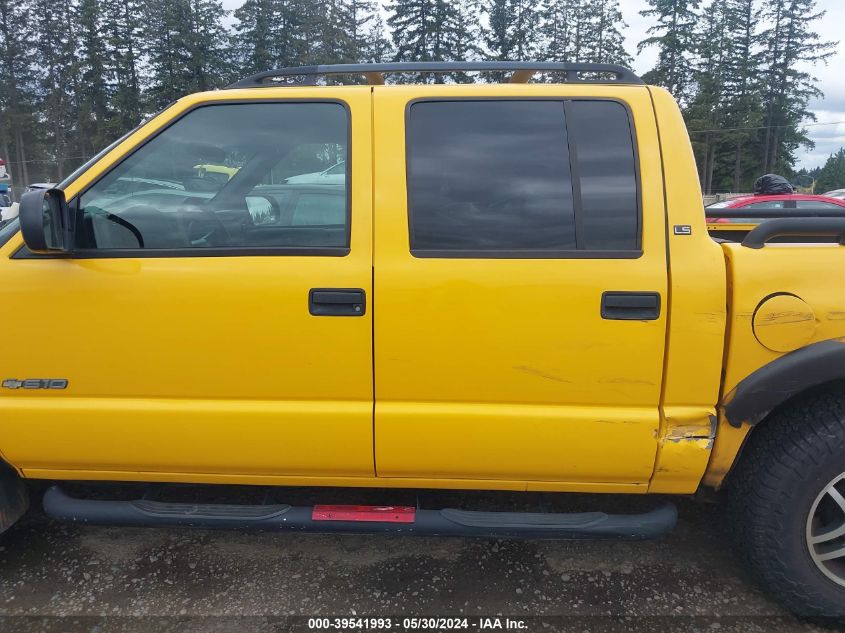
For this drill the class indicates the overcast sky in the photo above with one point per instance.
(831, 108)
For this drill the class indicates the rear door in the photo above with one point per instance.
(520, 284)
(216, 320)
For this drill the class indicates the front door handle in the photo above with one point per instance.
(337, 302)
(630, 306)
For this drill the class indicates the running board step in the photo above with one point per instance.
(362, 519)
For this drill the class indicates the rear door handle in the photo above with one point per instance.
(630, 306)
(337, 302)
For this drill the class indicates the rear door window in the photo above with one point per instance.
(522, 178)
(606, 174)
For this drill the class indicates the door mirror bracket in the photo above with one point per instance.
(45, 221)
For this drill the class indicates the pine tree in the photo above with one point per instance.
(512, 30)
(608, 42)
(330, 32)
(790, 43)
(583, 31)
(55, 56)
(433, 30)
(705, 111)
(122, 20)
(207, 41)
(832, 175)
(17, 93)
(743, 105)
(185, 45)
(93, 99)
(271, 34)
(674, 37)
(556, 30)
(363, 16)
(376, 46)
(253, 36)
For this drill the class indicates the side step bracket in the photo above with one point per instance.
(362, 519)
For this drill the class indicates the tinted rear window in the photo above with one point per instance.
(607, 174)
(490, 175)
(515, 178)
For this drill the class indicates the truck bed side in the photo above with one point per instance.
(786, 333)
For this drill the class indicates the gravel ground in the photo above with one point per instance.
(56, 577)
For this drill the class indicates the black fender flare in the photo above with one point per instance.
(14, 497)
(762, 391)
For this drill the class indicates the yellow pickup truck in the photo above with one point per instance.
(512, 288)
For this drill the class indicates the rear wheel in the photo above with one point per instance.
(787, 499)
(826, 530)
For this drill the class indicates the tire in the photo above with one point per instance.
(784, 475)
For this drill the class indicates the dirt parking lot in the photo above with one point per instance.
(56, 577)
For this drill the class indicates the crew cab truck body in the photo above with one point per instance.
(513, 288)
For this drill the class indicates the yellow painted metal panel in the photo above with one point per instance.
(195, 364)
(355, 482)
(222, 436)
(456, 333)
(518, 441)
(697, 309)
(757, 274)
(774, 269)
(490, 374)
(729, 443)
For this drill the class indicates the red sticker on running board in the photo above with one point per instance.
(379, 514)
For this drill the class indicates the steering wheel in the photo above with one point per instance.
(120, 221)
(202, 227)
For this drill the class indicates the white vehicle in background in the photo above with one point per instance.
(9, 209)
(5, 200)
(334, 175)
(836, 193)
(35, 186)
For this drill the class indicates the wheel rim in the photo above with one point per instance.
(826, 531)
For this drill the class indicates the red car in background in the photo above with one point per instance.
(778, 201)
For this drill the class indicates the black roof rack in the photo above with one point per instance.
(521, 72)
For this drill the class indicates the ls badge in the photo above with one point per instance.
(35, 383)
(683, 229)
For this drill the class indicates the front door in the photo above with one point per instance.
(520, 284)
(215, 317)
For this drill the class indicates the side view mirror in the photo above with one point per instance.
(45, 221)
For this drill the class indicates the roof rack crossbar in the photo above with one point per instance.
(521, 72)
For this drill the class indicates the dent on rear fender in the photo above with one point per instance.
(683, 449)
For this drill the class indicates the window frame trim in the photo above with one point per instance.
(430, 253)
(217, 251)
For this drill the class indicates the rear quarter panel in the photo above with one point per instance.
(805, 271)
